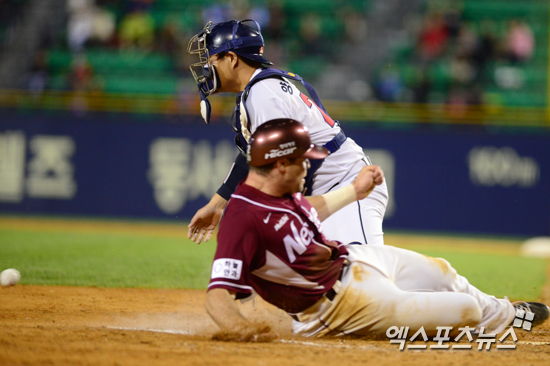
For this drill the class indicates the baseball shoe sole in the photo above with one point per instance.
(541, 311)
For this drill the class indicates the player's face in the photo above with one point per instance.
(297, 174)
(216, 62)
(222, 65)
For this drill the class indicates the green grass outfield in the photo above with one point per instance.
(153, 255)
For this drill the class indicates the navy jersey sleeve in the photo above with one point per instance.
(238, 171)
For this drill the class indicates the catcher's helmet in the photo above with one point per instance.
(282, 138)
(241, 37)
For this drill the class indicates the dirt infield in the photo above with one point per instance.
(42, 325)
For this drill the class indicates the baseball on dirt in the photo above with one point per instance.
(10, 277)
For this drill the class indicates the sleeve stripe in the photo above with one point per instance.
(229, 173)
(224, 283)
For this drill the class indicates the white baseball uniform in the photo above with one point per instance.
(405, 289)
(360, 221)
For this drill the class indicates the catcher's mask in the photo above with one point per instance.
(241, 37)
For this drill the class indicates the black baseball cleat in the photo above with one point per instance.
(541, 311)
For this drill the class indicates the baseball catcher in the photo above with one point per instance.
(230, 59)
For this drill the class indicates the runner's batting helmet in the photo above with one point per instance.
(241, 37)
(282, 138)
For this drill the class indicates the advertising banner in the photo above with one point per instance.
(117, 165)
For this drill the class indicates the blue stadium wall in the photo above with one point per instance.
(443, 179)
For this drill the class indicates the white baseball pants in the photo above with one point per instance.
(360, 221)
(386, 286)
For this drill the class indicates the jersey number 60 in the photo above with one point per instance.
(309, 103)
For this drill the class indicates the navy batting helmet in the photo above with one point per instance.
(241, 37)
(282, 138)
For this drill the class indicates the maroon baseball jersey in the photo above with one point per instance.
(273, 245)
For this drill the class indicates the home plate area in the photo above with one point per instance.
(100, 326)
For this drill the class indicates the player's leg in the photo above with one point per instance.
(370, 302)
(360, 221)
(414, 272)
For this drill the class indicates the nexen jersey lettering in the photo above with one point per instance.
(273, 98)
(276, 247)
